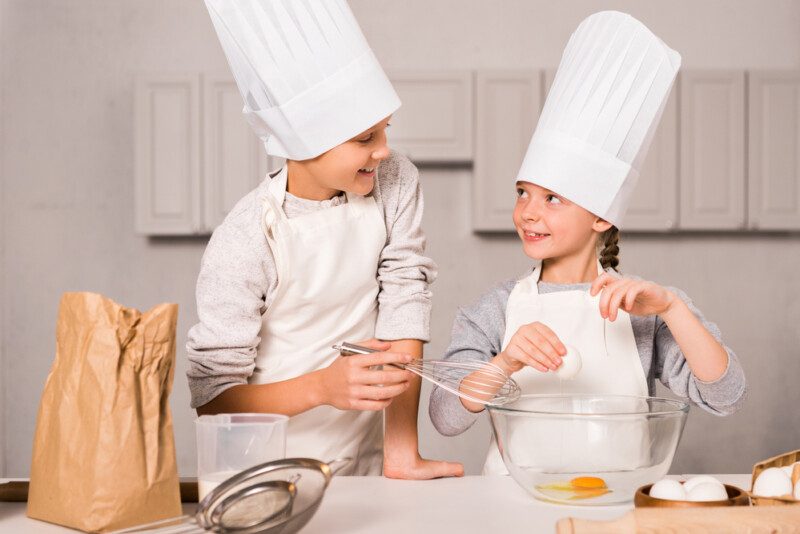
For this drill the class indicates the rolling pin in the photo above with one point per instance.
(710, 520)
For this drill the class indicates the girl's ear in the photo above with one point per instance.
(600, 225)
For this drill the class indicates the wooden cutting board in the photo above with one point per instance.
(718, 520)
(17, 491)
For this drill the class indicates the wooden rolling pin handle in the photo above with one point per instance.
(711, 520)
(624, 525)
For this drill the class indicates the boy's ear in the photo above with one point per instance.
(600, 225)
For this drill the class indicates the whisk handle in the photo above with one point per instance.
(348, 349)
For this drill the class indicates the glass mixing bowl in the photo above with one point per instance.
(587, 449)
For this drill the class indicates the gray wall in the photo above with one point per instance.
(67, 72)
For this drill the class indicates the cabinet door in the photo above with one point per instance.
(654, 203)
(774, 150)
(167, 168)
(712, 182)
(235, 160)
(508, 107)
(434, 124)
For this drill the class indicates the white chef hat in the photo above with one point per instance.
(600, 115)
(307, 75)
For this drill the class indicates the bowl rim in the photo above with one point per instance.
(679, 406)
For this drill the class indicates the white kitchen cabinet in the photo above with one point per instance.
(774, 150)
(508, 107)
(196, 156)
(235, 161)
(712, 172)
(434, 124)
(654, 202)
(167, 168)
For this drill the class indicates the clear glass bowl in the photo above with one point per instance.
(587, 449)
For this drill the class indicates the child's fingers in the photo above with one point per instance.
(600, 282)
(376, 344)
(608, 293)
(631, 294)
(616, 299)
(538, 350)
(385, 376)
(552, 338)
(524, 356)
(378, 393)
(380, 358)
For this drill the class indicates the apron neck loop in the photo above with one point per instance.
(272, 211)
(537, 272)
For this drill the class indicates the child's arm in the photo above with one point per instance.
(401, 452)
(716, 380)
(477, 335)
(404, 305)
(348, 384)
(704, 354)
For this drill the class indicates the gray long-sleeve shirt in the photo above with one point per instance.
(478, 333)
(238, 278)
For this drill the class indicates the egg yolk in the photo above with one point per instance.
(577, 488)
(588, 483)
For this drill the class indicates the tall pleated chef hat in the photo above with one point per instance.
(598, 120)
(307, 75)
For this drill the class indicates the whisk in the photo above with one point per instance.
(473, 380)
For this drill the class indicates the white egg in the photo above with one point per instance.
(571, 364)
(668, 489)
(796, 493)
(708, 491)
(772, 482)
(789, 468)
(700, 479)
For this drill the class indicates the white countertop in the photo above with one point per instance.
(356, 505)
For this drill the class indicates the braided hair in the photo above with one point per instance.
(609, 254)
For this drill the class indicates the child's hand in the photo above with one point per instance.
(535, 345)
(418, 468)
(637, 297)
(349, 383)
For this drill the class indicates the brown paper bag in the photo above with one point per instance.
(104, 451)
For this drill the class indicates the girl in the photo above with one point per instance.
(575, 181)
(327, 249)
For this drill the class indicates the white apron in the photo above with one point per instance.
(327, 264)
(611, 365)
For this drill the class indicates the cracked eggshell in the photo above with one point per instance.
(571, 364)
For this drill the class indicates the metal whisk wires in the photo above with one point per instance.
(473, 380)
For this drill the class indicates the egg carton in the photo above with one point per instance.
(781, 460)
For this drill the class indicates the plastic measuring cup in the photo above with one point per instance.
(230, 443)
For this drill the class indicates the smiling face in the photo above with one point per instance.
(347, 167)
(552, 227)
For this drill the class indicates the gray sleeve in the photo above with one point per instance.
(231, 290)
(477, 335)
(404, 272)
(723, 396)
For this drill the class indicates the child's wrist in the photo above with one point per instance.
(317, 391)
(500, 361)
(674, 307)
